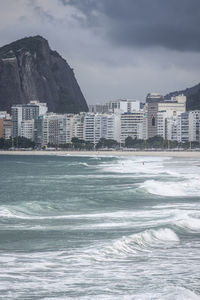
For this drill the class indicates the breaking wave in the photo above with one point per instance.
(174, 189)
(143, 241)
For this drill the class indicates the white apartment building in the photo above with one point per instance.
(77, 125)
(4, 115)
(57, 128)
(27, 129)
(171, 124)
(131, 125)
(97, 126)
(194, 126)
(23, 112)
(113, 127)
(183, 127)
(88, 128)
(122, 106)
(161, 124)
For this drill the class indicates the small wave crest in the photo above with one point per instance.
(177, 189)
(191, 224)
(143, 241)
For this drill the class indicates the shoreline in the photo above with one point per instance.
(191, 154)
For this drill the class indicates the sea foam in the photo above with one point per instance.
(169, 188)
(143, 241)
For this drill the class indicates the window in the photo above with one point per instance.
(153, 121)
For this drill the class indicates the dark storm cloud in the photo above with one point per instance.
(172, 24)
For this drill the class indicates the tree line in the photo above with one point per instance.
(156, 142)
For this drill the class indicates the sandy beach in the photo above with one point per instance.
(106, 153)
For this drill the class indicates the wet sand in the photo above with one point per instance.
(105, 153)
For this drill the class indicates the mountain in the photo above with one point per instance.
(30, 70)
(192, 94)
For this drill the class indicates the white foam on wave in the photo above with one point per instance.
(191, 224)
(143, 165)
(181, 293)
(143, 241)
(168, 188)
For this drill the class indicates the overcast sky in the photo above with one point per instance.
(118, 48)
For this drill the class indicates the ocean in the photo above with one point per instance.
(96, 227)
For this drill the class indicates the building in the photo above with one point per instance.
(77, 125)
(1, 128)
(56, 129)
(154, 98)
(98, 108)
(97, 126)
(27, 129)
(157, 110)
(183, 128)
(151, 119)
(88, 128)
(194, 126)
(24, 112)
(122, 106)
(131, 126)
(5, 125)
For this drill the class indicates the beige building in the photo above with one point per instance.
(158, 110)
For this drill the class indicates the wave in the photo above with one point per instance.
(191, 224)
(181, 293)
(125, 166)
(143, 241)
(177, 189)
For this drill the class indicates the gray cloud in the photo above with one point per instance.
(118, 48)
(172, 24)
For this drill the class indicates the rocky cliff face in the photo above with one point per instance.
(30, 70)
(192, 94)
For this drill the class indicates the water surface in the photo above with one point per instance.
(99, 227)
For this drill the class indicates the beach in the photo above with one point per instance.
(169, 153)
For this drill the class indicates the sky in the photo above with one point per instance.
(117, 48)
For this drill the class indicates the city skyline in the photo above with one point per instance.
(117, 50)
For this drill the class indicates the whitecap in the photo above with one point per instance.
(143, 241)
(168, 188)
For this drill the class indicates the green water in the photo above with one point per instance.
(99, 227)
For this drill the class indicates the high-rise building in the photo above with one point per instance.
(131, 125)
(24, 112)
(27, 129)
(183, 127)
(5, 125)
(194, 126)
(158, 110)
(57, 129)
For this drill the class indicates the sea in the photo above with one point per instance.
(99, 227)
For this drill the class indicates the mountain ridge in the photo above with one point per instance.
(30, 70)
(192, 94)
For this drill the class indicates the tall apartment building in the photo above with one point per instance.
(158, 110)
(131, 125)
(77, 125)
(24, 112)
(194, 126)
(183, 127)
(57, 128)
(151, 122)
(5, 125)
(97, 126)
(27, 129)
